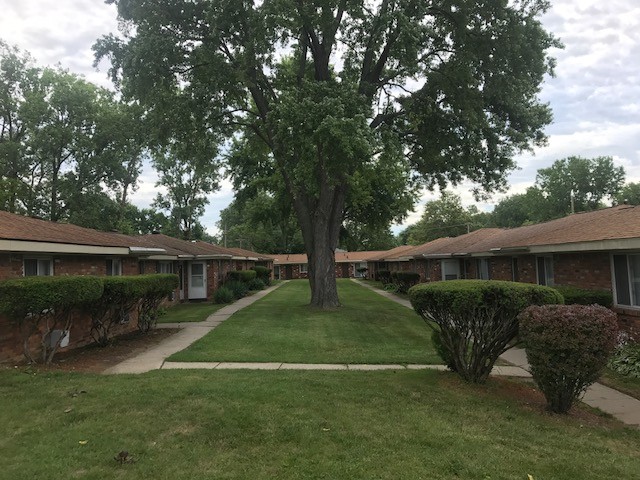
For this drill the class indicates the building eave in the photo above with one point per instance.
(26, 246)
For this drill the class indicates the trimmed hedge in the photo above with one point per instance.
(405, 280)
(567, 347)
(238, 288)
(581, 296)
(155, 288)
(476, 318)
(46, 304)
(263, 273)
(242, 275)
(383, 276)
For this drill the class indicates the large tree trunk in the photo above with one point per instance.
(320, 220)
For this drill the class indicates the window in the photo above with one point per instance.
(165, 267)
(114, 267)
(450, 269)
(483, 268)
(626, 272)
(515, 273)
(545, 270)
(41, 267)
(303, 268)
(276, 272)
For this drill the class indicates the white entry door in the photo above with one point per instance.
(197, 280)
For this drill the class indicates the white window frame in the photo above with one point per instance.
(484, 267)
(40, 261)
(116, 267)
(162, 266)
(304, 268)
(548, 270)
(614, 285)
(443, 267)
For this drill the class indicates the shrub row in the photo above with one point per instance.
(241, 275)
(45, 304)
(263, 273)
(476, 319)
(580, 296)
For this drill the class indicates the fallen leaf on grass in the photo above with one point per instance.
(83, 442)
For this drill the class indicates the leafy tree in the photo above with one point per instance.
(19, 88)
(521, 209)
(261, 222)
(339, 90)
(591, 180)
(445, 217)
(188, 172)
(360, 236)
(629, 194)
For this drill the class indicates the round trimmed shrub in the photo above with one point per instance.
(241, 275)
(256, 284)
(383, 276)
(223, 295)
(567, 347)
(405, 280)
(476, 318)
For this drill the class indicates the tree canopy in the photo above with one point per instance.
(345, 96)
(445, 217)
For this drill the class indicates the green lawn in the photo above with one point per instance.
(196, 424)
(281, 327)
(625, 384)
(190, 312)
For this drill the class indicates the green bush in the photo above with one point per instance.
(45, 304)
(241, 275)
(580, 296)
(405, 280)
(256, 284)
(238, 288)
(156, 288)
(626, 357)
(223, 295)
(120, 296)
(567, 347)
(442, 352)
(476, 318)
(263, 273)
(383, 276)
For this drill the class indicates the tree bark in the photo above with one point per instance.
(320, 221)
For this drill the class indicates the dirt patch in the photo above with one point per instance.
(528, 397)
(95, 359)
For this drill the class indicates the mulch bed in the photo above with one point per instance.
(95, 359)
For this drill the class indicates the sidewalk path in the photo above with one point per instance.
(153, 358)
(624, 407)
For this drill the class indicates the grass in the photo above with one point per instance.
(281, 327)
(190, 312)
(196, 424)
(623, 383)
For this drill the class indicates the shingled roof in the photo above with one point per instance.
(18, 227)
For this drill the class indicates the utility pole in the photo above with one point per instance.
(573, 202)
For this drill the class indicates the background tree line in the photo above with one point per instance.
(73, 151)
(571, 184)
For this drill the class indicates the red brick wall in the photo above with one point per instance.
(10, 266)
(584, 270)
(11, 348)
(500, 268)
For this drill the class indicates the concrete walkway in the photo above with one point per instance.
(609, 400)
(153, 358)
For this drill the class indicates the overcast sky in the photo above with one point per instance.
(595, 95)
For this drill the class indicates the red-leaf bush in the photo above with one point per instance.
(567, 347)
